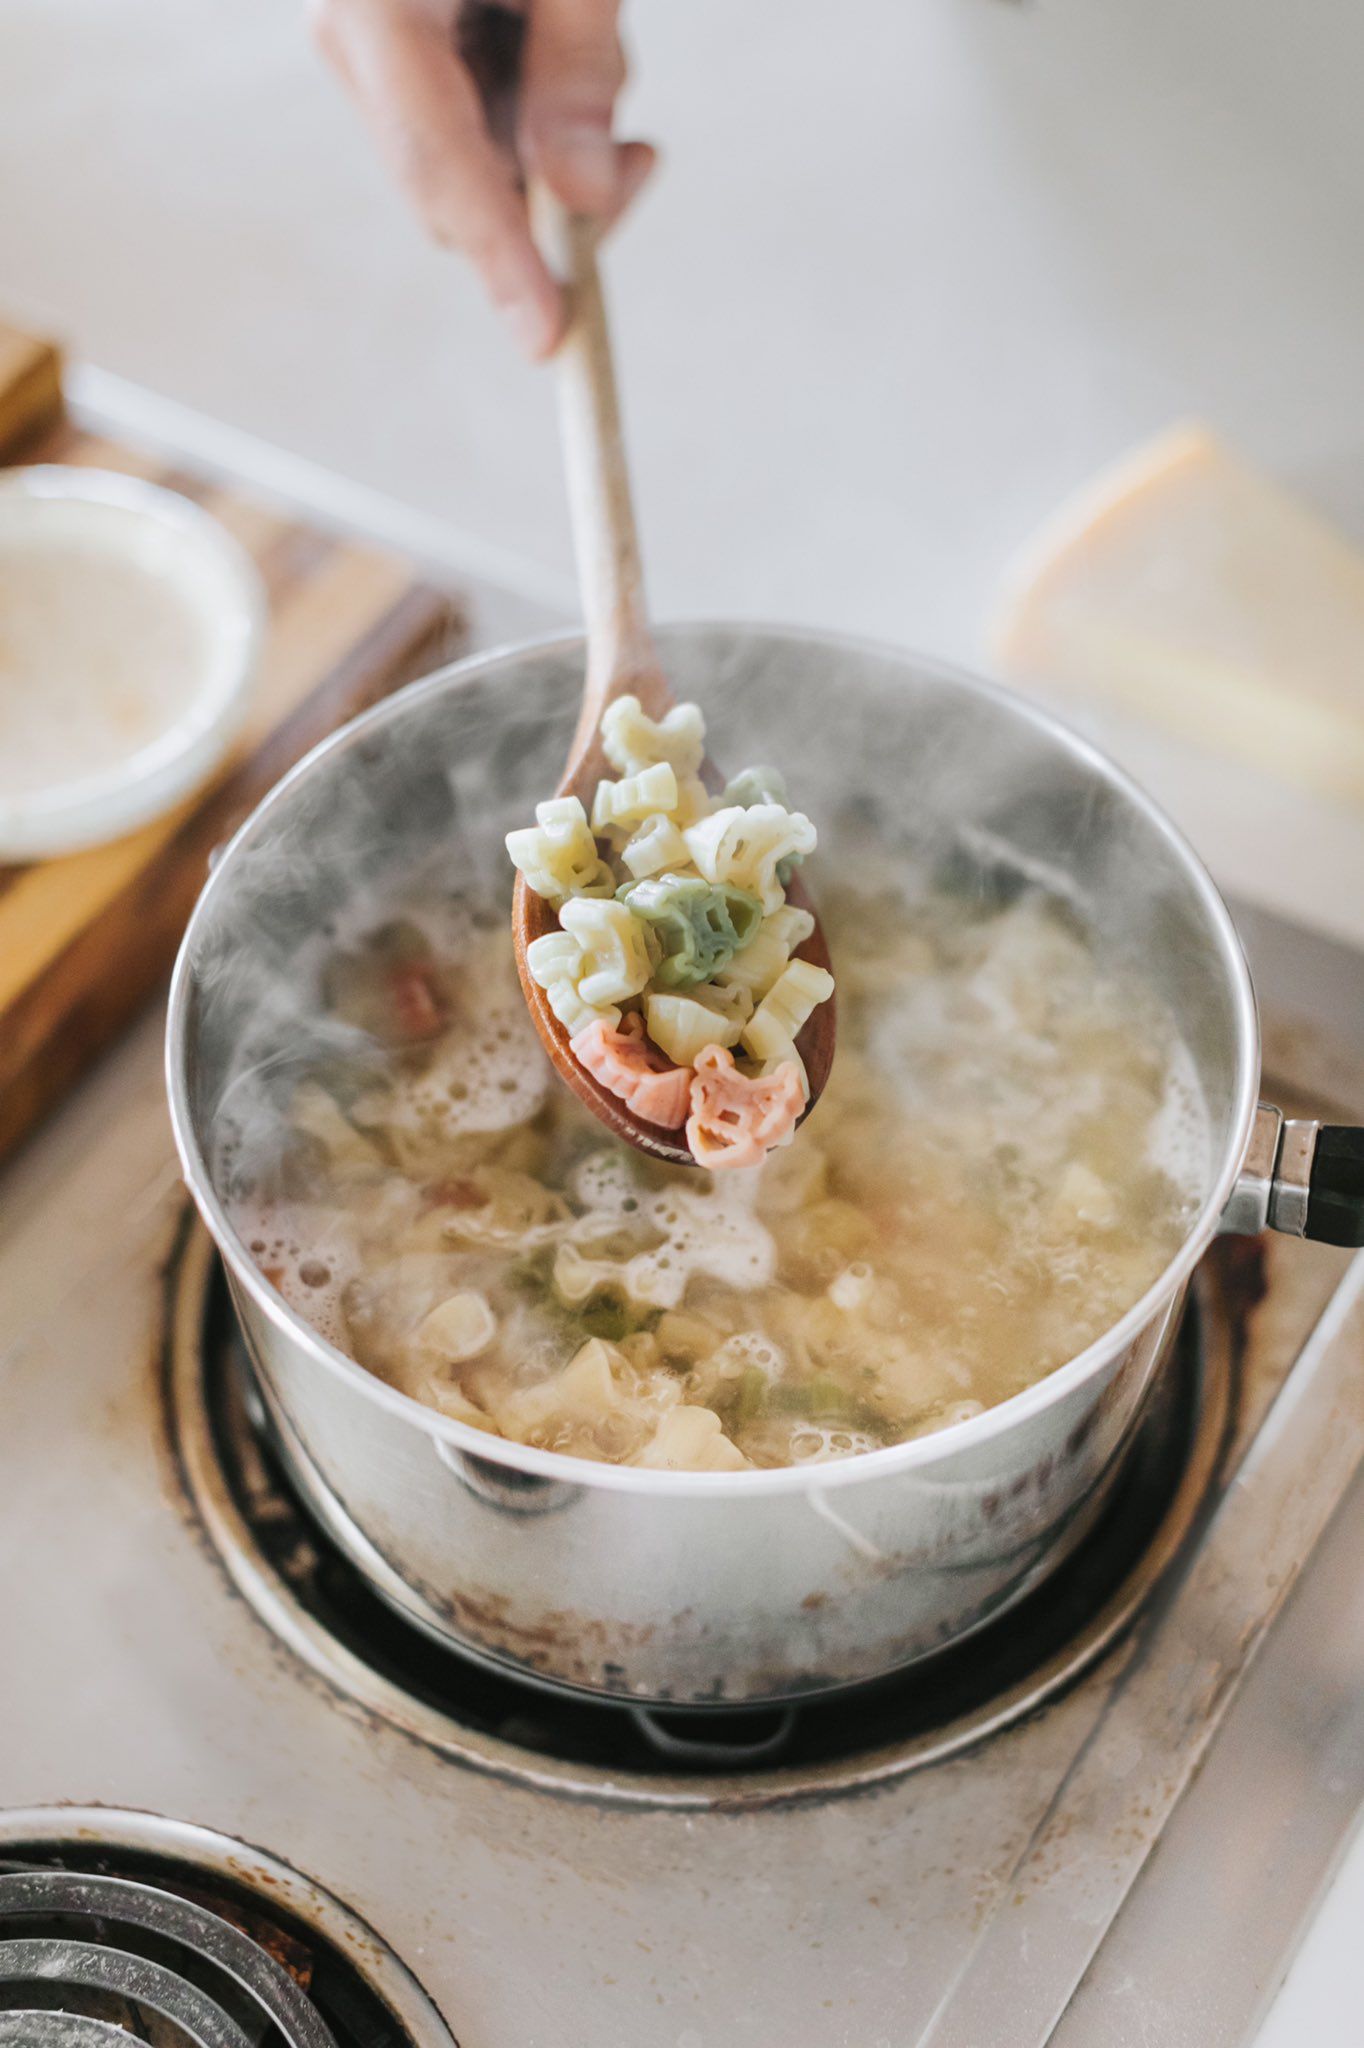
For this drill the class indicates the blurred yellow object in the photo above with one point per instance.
(1188, 589)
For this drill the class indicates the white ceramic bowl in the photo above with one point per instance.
(178, 544)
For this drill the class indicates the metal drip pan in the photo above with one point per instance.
(123, 1926)
(316, 1603)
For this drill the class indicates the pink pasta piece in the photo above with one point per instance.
(625, 1062)
(736, 1121)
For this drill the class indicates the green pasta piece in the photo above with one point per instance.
(699, 925)
(608, 1319)
(824, 1399)
(751, 1398)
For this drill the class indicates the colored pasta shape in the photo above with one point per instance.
(556, 962)
(617, 956)
(699, 925)
(629, 802)
(675, 968)
(657, 845)
(736, 1120)
(758, 964)
(684, 1027)
(624, 1061)
(745, 846)
(632, 741)
(558, 855)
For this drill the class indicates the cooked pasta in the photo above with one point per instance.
(684, 1026)
(984, 1194)
(617, 955)
(558, 855)
(699, 925)
(695, 949)
(631, 801)
(657, 845)
(557, 962)
(745, 847)
(632, 741)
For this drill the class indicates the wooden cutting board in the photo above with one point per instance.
(87, 940)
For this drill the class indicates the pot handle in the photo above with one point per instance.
(504, 1486)
(1302, 1177)
(770, 1729)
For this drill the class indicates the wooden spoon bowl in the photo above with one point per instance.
(621, 659)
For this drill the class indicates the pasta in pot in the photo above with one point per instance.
(696, 931)
(982, 1197)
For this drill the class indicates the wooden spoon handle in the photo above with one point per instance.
(620, 651)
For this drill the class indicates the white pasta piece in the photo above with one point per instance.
(683, 1027)
(744, 846)
(584, 1391)
(1083, 1198)
(631, 740)
(735, 1005)
(617, 806)
(518, 1213)
(449, 1396)
(558, 855)
(657, 845)
(691, 1440)
(694, 802)
(771, 1031)
(757, 965)
(556, 963)
(313, 1110)
(457, 1329)
(616, 961)
(577, 1278)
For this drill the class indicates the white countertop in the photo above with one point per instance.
(911, 272)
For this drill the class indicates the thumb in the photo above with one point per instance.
(574, 68)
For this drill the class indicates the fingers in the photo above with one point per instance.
(573, 70)
(397, 58)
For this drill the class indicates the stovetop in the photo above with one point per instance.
(1107, 1824)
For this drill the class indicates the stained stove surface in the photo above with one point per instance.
(1107, 1822)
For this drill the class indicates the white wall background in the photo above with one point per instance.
(912, 269)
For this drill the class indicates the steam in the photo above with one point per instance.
(896, 767)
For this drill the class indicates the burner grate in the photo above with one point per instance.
(322, 1606)
(101, 1945)
(58, 2030)
(219, 1987)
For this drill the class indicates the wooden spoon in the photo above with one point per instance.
(621, 658)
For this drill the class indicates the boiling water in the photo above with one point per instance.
(1010, 1149)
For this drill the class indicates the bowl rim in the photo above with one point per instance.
(92, 808)
(938, 1446)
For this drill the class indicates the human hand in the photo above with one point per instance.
(410, 68)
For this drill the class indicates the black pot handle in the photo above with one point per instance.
(1301, 1177)
(1335, 1186)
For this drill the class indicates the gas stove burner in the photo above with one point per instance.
(118, 1927)
(323, 1608)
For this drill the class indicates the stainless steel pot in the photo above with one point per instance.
(716, 1587)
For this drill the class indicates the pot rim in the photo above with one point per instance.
(938, 1445)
